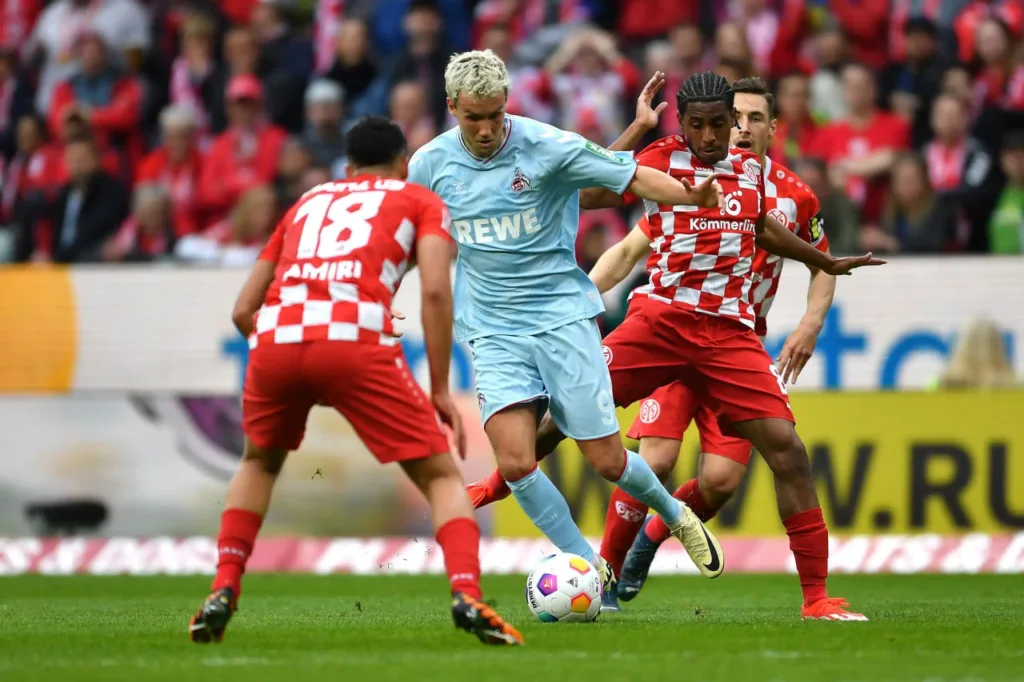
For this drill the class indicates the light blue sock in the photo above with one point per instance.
(549, 511)
(640, 481)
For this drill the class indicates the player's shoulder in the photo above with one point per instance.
(789, 183)
(658, 154)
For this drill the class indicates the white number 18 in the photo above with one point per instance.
(325, 219)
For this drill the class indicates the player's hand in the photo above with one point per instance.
(396, 315)
(707, 194)
(796, 351)
(450, 416)
(844, 266)
(645, 114)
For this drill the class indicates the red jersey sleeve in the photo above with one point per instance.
(645, 226)
(434, 218)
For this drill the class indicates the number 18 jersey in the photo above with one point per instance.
(341, 252)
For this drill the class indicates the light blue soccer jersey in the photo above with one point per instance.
(515, 216)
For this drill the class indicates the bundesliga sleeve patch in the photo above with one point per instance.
(601, 151)
(817, 228)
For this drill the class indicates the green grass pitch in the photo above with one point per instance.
(340, 628)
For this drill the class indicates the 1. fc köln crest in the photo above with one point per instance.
(520, 182)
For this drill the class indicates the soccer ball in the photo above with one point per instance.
(564, 588)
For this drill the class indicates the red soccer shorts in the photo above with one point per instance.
(369, 385)
(667, 413)
(720, 360)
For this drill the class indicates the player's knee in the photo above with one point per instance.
(271, 460)
(606, 457)
(721, 481)
(514, 465)
(660, 454)
(789, 462)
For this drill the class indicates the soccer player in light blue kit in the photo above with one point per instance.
(524, 306)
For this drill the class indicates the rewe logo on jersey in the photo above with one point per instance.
(496, 229)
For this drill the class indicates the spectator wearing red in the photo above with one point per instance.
(237, 239)
(862, 148)
(683, 55)
(75, 124)
(109, 99)
(645, 19)
(530, 92)
(148, 233)
(796, 133)
(999, 83)
(193, 72)
(17, 17)
(866, 24)
(969, 19)
(176, 165)
(832, 51)
(241, 52)
(588, 72)
(30, 176)
(243, 156)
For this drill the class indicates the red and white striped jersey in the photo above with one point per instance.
(341, 252)
(701, 258)
(795, 206)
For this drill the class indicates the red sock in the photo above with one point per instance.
(238, 530)
(621, 524)
(460, 542)
(808, 540)
(657, 530)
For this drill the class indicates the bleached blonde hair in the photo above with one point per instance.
(478, 73)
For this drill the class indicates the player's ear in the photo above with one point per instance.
(772, 126)
(451, 106)
(348, 170)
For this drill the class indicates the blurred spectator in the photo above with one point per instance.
(104, 95)
(241, 58)
(840, 216)
(731, 45)
(644, 19)
(408, 108)
(865, 23)
(1006, 227)
(192, 82)
(860, 149)
(123, 24)
(915, 221)
(529, 95)
(796, 132)
(425, 56)
(535, 27)
(89, 208)
(352, 67)
(760, 25)
(176, 165)
(910, 86)
(683, 55)
(236, 240)
(15, 101)
(979, 360)
(244, 155)
(19, 16)
(999, 84)
(290, 182)
(960, 170)
(391, 31)
(318, 175)
(30, 177)
(833, 54)
(324, 135)
(286, 62)
(958, 82)
(969, 14)
(148, 234)
(589, 77)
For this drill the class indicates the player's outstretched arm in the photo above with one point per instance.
(646, 120)
(616, 263)
(778, 240)
(662, 188)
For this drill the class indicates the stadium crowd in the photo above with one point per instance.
(152, 130)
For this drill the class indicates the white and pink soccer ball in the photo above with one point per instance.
(564, 588)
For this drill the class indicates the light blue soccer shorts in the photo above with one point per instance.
(564, 367)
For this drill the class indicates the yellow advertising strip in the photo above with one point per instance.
(883, 462)
(37, 330)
